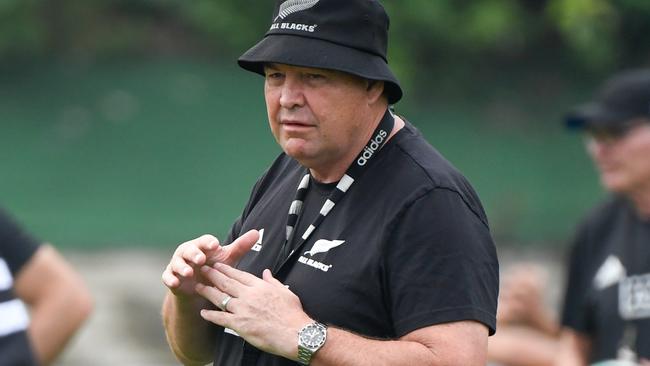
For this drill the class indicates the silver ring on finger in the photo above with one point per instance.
(223, 305)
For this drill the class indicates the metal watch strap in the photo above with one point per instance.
(305, 352)
(304, 355)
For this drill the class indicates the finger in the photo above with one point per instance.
(222, 282)
(241, 246)
(222, 318)
(180, 267)
(192, 254)
(207, 242)
(237, 275)
(213, 294)
(169, 279)
(268, 277)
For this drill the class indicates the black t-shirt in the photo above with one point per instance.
(608, 290)
(16, 248)
(408, 246)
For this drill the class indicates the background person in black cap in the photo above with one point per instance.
(606, 312)
(360, 245)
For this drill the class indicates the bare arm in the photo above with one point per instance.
(59, 301)
(457, 343)
(522, 346)
(521, 300)
(574, 349)
(190, 337)
(528, 331)
(269, 316)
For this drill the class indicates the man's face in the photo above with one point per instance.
(623, 160)
(317, 116)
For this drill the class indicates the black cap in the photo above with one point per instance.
(623, 97)
(344, 35)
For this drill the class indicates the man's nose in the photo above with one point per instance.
(292, 93)
(599, 147)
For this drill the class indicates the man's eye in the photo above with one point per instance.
(274, 75)
(315, 76)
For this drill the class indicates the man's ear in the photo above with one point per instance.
(375, 90)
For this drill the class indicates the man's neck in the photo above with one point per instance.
(641, 200)
(335, 173)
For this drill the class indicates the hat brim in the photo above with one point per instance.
(594, 115)
(317, 53)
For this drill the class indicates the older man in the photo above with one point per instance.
(607, 305)
(360, 245)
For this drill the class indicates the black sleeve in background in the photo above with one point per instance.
(16, 246)
(574, 314)
(441, 265)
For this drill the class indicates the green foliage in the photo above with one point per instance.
(458, 39)
(232, 24)
(20, 29)
(589, 27)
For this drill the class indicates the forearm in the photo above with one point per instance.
(522, 346)
(58, 300)
(190, 337)
(546, 322)
(54, 322)
(574, 349)
(343, 348)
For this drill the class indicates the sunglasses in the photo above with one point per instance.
(612, 133)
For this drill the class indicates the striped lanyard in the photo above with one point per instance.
(378, 139)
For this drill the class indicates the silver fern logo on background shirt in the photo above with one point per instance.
(293, 6)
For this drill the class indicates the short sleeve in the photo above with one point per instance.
(16, 246)
(441, 265)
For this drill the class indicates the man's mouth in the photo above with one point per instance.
(295, 125)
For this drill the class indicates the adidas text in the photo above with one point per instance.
(372, 147)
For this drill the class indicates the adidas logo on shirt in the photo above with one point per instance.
(258, 245)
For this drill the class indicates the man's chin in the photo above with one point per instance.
(614, 184)
(295, 147)
(297, 152)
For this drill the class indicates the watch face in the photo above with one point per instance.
(312, 336)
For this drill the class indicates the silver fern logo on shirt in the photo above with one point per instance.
(290, 7)
(320, 246)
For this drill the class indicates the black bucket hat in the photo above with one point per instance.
(343, 35)
(623, 97)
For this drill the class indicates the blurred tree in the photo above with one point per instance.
(446, 42)
(21, 28)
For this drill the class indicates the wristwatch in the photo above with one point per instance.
(310, 339)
